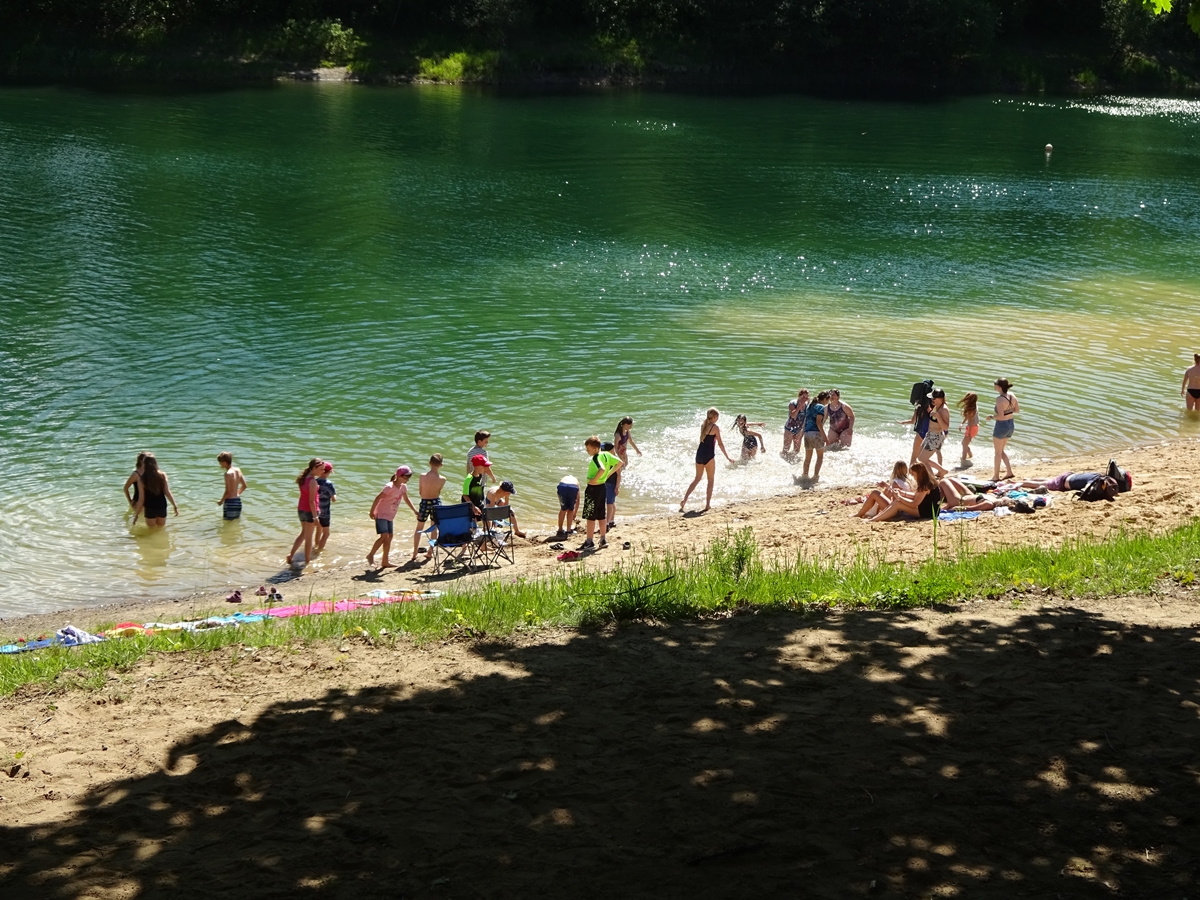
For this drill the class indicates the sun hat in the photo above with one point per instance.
(480, 460)
(507, 487)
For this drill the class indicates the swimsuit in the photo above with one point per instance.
(927, 508)
(155, 506)
(426, 508)
(795, 422)
(749, 442)
(840, 429)
(233, 508)
(933, 441)
(707, 451)
(1195, 392)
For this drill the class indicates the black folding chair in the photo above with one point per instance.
(496, 542)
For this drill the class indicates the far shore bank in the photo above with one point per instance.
(808, 523)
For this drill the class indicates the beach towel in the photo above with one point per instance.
(29, 645)
(957, 516)
(70, 636)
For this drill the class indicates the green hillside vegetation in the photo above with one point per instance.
(863, 46)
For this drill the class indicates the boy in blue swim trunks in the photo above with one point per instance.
(326, 497)
(235, 483)
(568, 505)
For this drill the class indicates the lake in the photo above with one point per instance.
(370, 275)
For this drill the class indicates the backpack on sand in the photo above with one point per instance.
(1121, 476)
(1100, 488)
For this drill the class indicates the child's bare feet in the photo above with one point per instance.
(370, 559)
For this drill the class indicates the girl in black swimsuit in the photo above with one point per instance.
(133, 481)
(155, 492)
(752, 441)
(710, 439)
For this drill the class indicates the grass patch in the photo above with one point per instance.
(731, 573)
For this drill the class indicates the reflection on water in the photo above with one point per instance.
(371, 276)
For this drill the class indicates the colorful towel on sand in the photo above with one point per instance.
(327, 606)
(957, 515)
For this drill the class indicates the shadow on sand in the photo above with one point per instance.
(771, 755)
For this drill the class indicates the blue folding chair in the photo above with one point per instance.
(455, 541)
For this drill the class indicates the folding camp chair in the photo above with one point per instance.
(496, 542)
(456, 536)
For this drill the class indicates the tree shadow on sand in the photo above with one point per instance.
(769, 755)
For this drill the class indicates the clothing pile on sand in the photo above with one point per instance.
(70, 636)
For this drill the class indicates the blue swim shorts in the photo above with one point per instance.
(567, 495)
(383, 526)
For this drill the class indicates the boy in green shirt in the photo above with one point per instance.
(602, 466)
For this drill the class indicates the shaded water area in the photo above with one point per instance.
(371, 275)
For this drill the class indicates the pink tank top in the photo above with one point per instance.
(306, 492)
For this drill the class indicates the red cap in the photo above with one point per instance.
(480, 460)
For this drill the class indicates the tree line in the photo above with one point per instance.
(909, 40)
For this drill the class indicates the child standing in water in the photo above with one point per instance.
(706, 457)
(235, 483)
(384, 510)
(622, 440)
(969, 426)
(308, 509)
(154, 494)
(133, 480)
(326, 497)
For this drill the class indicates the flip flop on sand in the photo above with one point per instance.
(235, 597)
(568, 555)
(262, 590)
(556, 546)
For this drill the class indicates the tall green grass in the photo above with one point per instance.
(731, 573)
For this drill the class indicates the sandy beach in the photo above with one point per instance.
(1040, 747)
(810, 522)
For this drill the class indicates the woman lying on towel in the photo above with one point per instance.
(920, 502)
(957, 496)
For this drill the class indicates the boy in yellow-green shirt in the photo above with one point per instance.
(602, 465)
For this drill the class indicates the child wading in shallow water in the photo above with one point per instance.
(155, 492)
(235, 483)
(133, 480)
(308, 509)
(384, 510)
(326, 497)
(969, 426)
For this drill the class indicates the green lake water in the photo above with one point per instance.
(371, 275)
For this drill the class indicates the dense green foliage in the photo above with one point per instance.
(902, 43)
(730, 576)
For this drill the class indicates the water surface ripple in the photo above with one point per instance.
(369, 276)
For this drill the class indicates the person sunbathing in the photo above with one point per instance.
(1067, 481)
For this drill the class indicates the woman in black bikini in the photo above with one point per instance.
(706, 455)
(154, 494)
(1006, 407)
(752, 441)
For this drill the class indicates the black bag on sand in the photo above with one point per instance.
(1100, 488)
(1121, 476)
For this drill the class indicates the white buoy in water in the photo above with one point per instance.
(1049, 149)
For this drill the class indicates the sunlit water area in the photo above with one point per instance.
(371, 275)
